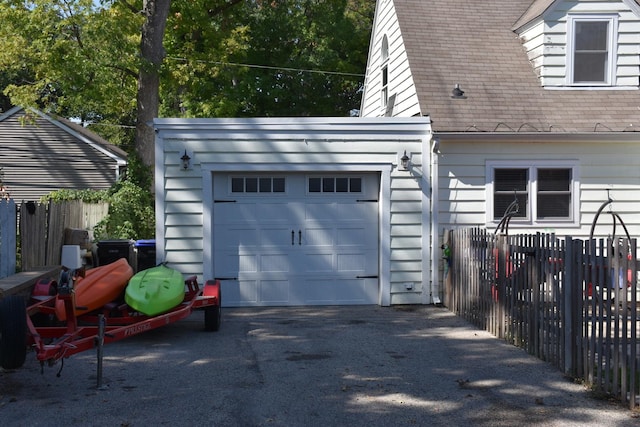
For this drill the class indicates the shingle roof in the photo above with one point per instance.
(471, 43)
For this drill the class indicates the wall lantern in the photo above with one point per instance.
(435, 145)
(405, 161)
(185, 160)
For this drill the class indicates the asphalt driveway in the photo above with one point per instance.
(316, 366)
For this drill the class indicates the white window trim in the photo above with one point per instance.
(610, 74)
(533, 166)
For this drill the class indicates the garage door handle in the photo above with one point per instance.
(367, 277)
(299, 237)
(293, 236)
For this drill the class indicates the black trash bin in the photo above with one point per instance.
(146, 254)
(112, 250)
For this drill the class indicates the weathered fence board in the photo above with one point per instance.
(7, 237)
(42, 228)
(570, 302)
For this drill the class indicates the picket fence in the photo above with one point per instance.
(570, 302)
(32, 234)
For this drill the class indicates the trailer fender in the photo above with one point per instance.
(45, 288)
(212, 313)
(212, 289)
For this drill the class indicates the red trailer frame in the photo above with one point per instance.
(119, 321)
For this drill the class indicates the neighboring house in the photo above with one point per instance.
(534, 100)
(297, 211)
(40, 154)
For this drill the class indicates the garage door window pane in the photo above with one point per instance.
(355, 185)
(265, 185)
(237, 185)
(251, 185)
(278, 185)
(342, 185)
(314, 185)
(328, 185)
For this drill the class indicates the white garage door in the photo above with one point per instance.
(296, 239)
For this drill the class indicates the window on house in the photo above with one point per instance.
(541, 192)
(592, 49)
(384, 54)
(384, 96)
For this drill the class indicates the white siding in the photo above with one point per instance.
(400, 84)
(605, 168)
(546, 41)
(184, 198)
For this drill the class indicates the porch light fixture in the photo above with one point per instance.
(405, 161)
(435, 145)
(185, 160)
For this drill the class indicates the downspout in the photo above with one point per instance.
(435, 232)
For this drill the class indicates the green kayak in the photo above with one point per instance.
(155, 290)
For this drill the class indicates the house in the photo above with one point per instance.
(297, 211)
(467, 107)
(41, 154)
(534, 101)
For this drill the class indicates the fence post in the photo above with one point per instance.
(8, 222)
(569, 294)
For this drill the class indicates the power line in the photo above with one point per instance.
(266, 67)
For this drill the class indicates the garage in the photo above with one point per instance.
(299, 211)
(297, 238)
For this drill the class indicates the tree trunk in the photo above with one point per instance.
(152, 54)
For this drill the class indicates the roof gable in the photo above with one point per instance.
(471, 44)
(540, 7)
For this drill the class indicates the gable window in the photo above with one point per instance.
(591, 50)
(384, 54)
(542, 191)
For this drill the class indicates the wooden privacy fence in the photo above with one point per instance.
(42, 228)
(41, 231)
(7, 237)
(571, 302)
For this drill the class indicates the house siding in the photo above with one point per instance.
(605, 169)
(39, 157)
(184, 198)
(545, 41)
(401, 85)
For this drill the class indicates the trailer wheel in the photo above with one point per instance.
(13, 332)
(213, 314)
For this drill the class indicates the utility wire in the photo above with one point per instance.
(266, 67)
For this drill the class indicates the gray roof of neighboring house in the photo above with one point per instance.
(40, 154)
(471, 43)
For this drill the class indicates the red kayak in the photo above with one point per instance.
(99, 286)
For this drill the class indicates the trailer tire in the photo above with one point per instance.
(13, 332)
(213, 314)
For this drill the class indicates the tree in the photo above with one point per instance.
(110, 63)
(267, 58)
(148, 94)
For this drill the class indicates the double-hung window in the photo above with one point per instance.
(532, 192)
(591, 50)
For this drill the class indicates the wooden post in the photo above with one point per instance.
(568, 295)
